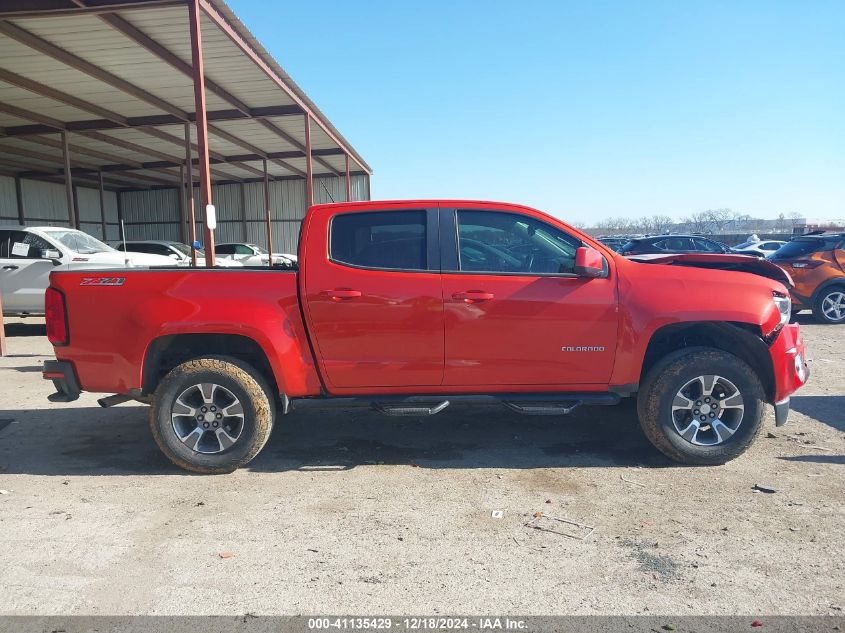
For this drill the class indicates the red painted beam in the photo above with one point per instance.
(195, 29)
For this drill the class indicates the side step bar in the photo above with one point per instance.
(424, 405)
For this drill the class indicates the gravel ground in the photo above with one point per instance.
(352, 512)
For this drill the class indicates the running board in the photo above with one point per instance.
(429, 404)
(409, 409)
(548, 408)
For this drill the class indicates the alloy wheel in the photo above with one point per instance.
(707, 410)
(207, 418)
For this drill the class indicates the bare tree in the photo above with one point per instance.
(661, 223)
(795, 217)
(698, 222)
(718, 219)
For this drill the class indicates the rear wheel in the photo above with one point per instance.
(212, 415)
(701, 406)
(830, 305)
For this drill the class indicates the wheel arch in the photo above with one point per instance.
(743, 340)
(827, 285)
(167, 351)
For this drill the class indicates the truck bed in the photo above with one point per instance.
(139, 306)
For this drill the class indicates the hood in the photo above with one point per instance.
(739, 263)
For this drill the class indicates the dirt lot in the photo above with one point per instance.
(358, 513)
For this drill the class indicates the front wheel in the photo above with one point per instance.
(212, 415)
(701, 406)
(830, 305)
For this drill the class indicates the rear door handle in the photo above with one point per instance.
(470, 296)
(10, 267)
(339, 294)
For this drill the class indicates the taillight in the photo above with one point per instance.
(808, 264)
(54, 310)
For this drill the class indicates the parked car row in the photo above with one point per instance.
(816, 263)
(29, 254)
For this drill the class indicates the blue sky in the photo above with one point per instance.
(584, 109)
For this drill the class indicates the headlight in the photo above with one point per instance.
(784, 305)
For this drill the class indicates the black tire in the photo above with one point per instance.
(236, 379)
(818, 306)
(662, 386)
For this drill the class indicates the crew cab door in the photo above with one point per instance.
(515, 312)
(372, 296)
(24, 271)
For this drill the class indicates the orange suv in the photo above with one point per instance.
(817, 265)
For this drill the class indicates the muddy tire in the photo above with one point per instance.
(212, 415)
(701, 406)
(830, 305)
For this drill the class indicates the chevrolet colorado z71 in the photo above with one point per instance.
(406, 307)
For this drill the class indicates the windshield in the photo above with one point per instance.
(800, 247)
(182, 248)
(261, 251)
(80, 242)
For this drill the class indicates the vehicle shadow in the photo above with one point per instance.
(117, 441)
(826, 409)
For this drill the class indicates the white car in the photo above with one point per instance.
(179, 253)
(763, 248)
(252, 254)
(29, 254)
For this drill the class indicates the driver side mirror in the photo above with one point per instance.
(589, 263)
(53, 254)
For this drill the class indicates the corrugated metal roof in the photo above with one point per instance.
(117, 78)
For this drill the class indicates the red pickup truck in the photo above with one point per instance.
(408, 307)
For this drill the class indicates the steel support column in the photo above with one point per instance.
(19, 199)
(267, 212)
(201, 124)
(348, 181)
(2, 329)
(243, 211)
(102, 206)
(188, 183)
(71, 210)
(309, 168)
(183, 216)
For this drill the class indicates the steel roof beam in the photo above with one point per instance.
(213, 129)
(22, 9)
(247, 50)
(142, 39)
(59, 54)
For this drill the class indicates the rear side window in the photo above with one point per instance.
(393, 240)
(799, 247)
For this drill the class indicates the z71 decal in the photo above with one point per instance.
(102, 281)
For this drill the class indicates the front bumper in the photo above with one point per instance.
(64, 379)
(789, 365)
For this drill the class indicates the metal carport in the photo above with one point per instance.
(129, 95)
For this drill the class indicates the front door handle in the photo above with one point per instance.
(471, 296)
(10, 267)
(339, 294)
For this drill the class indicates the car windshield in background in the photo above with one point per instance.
(801, 247)
(261, 251)
(183, 248)
(80, 242)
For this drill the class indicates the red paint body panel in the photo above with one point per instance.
(381, 331)
(111, 327)
(783, 352)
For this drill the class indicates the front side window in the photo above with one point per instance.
(23, 245)
(380, 239)
(706, 246)
(495, 242)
